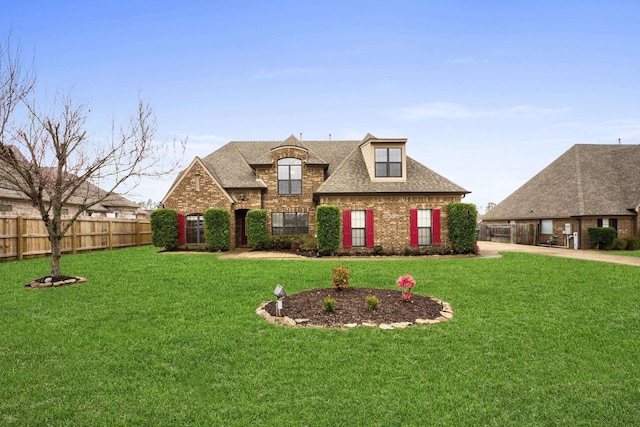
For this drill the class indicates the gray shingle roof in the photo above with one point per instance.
(586, 180)
(346, 169)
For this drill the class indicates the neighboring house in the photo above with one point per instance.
(386, 198)
(114, 206)
(588, 186)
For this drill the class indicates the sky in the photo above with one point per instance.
(488, 93)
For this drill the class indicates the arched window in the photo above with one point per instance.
(195, 229)
(289, 176)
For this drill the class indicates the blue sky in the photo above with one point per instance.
(487, 92)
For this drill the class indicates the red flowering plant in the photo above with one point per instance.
(406, 283)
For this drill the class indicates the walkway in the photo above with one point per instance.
(487, 249)
(494, 249)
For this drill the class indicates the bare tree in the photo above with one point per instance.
(47, 156)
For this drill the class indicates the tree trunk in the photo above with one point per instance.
(56, 254)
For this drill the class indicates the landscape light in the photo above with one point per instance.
(279, 292)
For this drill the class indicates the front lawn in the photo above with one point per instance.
(172, 339)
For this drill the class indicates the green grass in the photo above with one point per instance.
(625, 253)
(160, 339)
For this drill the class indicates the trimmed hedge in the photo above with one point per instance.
(164, 229)
(217, 229)
(462, 227)
(328, 229)
(633, 244)
(602, 237)
(256, 228)
(619, 244)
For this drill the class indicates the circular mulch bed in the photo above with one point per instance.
(306, 308)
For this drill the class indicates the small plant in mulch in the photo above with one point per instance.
(406, 283)
(329, 304)
(372, 302)
(341, 277)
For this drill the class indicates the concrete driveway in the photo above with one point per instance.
(494, 249)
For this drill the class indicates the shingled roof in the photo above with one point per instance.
(587, 180)
(232, 165)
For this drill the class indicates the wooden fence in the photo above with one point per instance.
(26, 237)
(522, 234)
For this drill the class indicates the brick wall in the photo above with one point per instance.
(391, 215)
(312, 179)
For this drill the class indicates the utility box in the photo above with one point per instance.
(567, 229)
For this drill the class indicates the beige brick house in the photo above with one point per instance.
(386, 198)
(588, 186)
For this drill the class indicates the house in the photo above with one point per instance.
(114, 206)
(587, 186)
(14, 202)
(386, 198)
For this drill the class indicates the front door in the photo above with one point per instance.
(241, 227)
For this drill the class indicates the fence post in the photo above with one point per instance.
(74, 232)
(110, 226)
(138, 233)
(19, 233)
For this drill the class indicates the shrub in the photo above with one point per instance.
(328, 229)
(633, 244)
(164, 229)
(462, 227)
(256, 224)
(285, 242)
(372, 302)
(406, 283)
(341, 277)
(619, 244)
(378, 250)
(329, 304)
(217, 229)
(602, 237)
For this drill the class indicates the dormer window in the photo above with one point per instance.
(388, 162)
(289, 176)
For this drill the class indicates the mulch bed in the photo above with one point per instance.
(351, 307)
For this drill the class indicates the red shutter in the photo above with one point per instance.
(346, 229)
(413, 226)
(436, 227)
(369, 231)
(182, 230)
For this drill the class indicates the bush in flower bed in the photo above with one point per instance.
(372, 302)
(406, 283)
(341, 277)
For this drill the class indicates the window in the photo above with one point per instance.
(64, 211)
(289, 176)
(546, 226)
(608, 222)
(289, 223)
(195, 229)
(358, 228)
(424, 227)
(388, 162)
(6, 208)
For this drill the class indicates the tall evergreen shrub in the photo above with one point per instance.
(217, 225)
(602, 237)
(328, 228)
(256, 228)
(462, 227)
(164, 229)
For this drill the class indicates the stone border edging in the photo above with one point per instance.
(75, 280)
(446, 314)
